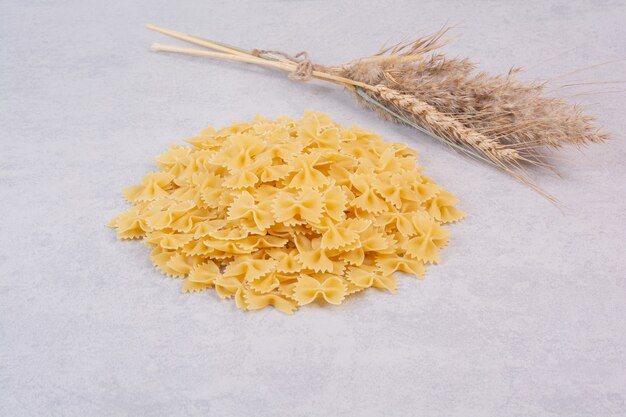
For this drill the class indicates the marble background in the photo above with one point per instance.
(524, 317)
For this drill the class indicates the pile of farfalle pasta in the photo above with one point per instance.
(288, 212)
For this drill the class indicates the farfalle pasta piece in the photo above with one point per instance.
(402, 222)
(240, 151)
(206, 227)
(425, 189)
(152, 187)
(177, 154)
(242, 178)
(284, 149)
(387, 162)
(201, 277)
(441, 207)
(190, 286)
(429, 238)
(256, 301)
(342, 234)
(335, 202)
(388, 264)
(292, 209)
(228, 287)
(131, 224)
(306, 174)
(248, 269)
(311, 254)
(266, 192)
(253, 242)
(366, 276)
(226, 247)
(318, 131)
(367, 199)
(354, 256)
(171, 241)
(180, 264)
(373, 240)
(173, 263)
(185, 223)
(287, 260)
(165, 212)
(336, 236)
(199, 247)
(265, 283)
(185, 193)
(205, 273)
(328, 287)
(229, 232)
(397, 188)
(286, 212)
(205, 139)
(340, 174)
(210, 189)
(255, 217)
(276, 172)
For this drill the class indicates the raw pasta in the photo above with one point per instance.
(288, 212)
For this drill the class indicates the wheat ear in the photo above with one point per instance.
(448, 127)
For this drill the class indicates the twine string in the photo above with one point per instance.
(304, 67)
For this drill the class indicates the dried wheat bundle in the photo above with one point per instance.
(502, 121)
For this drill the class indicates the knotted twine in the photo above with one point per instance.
(304, 67)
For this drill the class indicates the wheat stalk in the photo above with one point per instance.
(495, 119)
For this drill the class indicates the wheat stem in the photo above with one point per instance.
(252, 59)
(240, 58)
(197, 41)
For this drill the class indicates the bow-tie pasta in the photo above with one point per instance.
(288, 212)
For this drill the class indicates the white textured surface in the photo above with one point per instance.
(524, 317)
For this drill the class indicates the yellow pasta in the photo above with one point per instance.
(288, 212)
